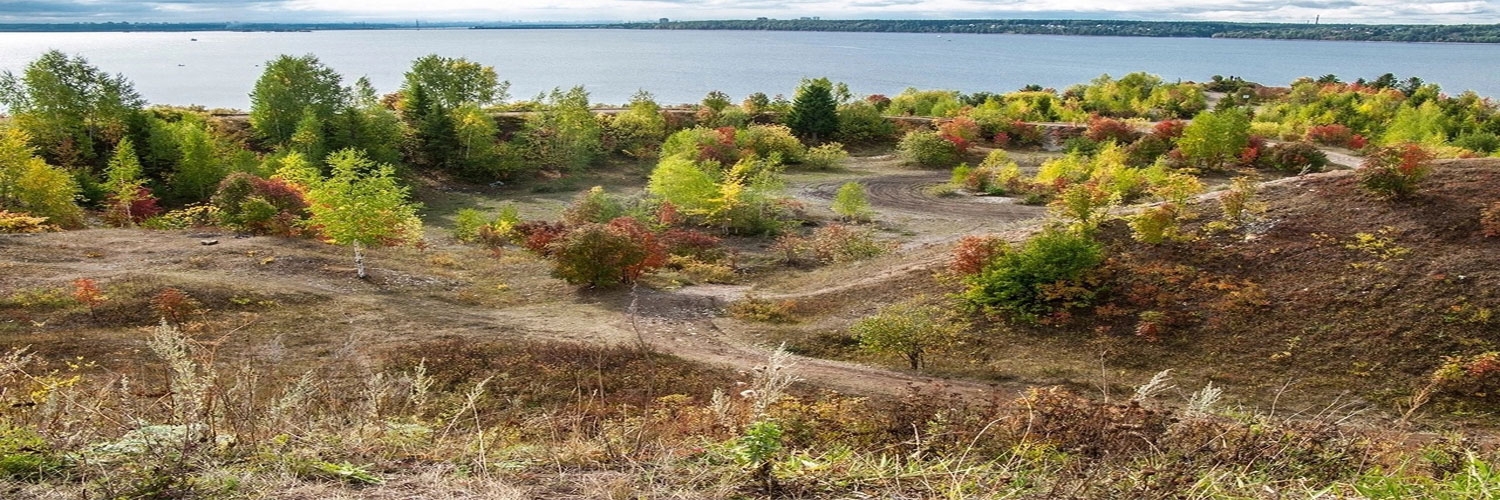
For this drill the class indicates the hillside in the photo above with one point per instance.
(1296, 317)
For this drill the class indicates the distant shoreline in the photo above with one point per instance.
(1440, 33)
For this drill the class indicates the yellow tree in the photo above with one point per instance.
(362, 204)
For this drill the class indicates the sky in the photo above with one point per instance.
(1296, 11)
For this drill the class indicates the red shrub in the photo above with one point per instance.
(690, 243)
(1103, 129)
(961, 131)
(973, 253)
(1170, 129)
(1334, 135)
(139, 208)
(538, 236)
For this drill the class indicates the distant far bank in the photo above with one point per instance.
(1443, 33)
(1465, 33)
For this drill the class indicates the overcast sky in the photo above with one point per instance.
(1331, 11)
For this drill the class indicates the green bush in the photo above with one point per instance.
(825, 157)
(861, 122)
(927, 149)
(770, 141)
(852, 203)
(1048, 273)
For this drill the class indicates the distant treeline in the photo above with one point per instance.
(1468, 33)
(178, 27)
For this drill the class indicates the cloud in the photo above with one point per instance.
(1364, 11)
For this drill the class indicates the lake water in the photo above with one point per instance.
(219, 68)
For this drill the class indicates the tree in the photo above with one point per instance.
(362, 204)
(199, 166)
(129, 201)
(309, 138)
(474, 133)
(1215, 137)
(564, 135)
(287, 89)
(814, 111)
(910, 329)
(71, 110)
(28, 184)
(453, 82)
(851, 203)
(685, 184)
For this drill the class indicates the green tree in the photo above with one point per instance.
(287, 89)
(71, 111)
(910, 329)
(564, 134)
(852, 203)
(475, 134)
(1214, 138)
(814, 111)
(640, 129)
(28, 184)
(200, 167)
(362, 204)
(309, 138)
(684, 183)
(453, 82)
(124, 184)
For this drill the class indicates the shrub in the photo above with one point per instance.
(1102, 129)
(1158, 224)
(764, 311)
(928, 150)
(1479, 142)
(249, 203)
(693, 244)
(851, 202)
(909, 329)
(1019, 134)
(1239, 203)
(1333, 135)
(770, 141)
(606, 255)
(997, 174)
(974, 252)
(825, 157)
(1396, 171)
(19, 223)
(703, 144)
(1049, 272)
(861, 122)
(1085, 205)
(834, 243)
(1489, 221)
(466, 225)
(133, 209)
(1293, 157)
(595, 206)
(538, 236)
(961, 131)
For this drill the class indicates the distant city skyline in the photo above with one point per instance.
(1294, 11)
